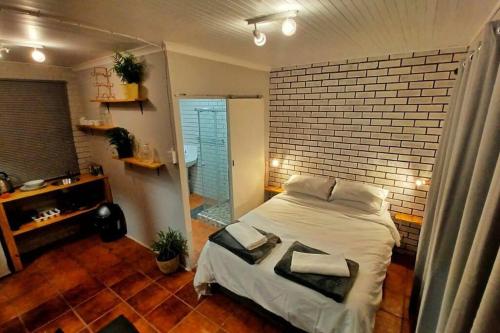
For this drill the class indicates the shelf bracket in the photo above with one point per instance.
(140, 105)
(107, 106)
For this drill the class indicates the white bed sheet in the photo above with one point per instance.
(365, 238)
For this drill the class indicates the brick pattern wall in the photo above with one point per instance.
(24, 71)
(375, 120)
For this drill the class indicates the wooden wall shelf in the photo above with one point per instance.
(107, 102)
(143, 164)
(273, 189)
(408, 218)
(92, 128)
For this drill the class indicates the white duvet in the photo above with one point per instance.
(365, 238)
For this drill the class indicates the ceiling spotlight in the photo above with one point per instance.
(3, 50)
(38, 55)
(259, 38)
(288, 27)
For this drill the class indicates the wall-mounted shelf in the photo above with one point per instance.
(408, 218)
(143, 164)
(92, 128)
(121, 100)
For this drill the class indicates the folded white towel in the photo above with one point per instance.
(246, 235)
(325, 264)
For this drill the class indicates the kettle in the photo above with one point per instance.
(5, 183)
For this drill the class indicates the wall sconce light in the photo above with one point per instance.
(275, 163)
(421, 182)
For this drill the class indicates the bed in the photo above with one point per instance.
(365, 238)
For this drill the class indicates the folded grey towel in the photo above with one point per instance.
(334, 287)
(224, 239)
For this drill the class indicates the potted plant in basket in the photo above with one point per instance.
(130, 72)
(169, 247)
(122, 140)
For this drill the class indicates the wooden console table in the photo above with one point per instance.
(10, 235)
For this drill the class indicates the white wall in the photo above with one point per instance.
(24, 71)
(150, 202)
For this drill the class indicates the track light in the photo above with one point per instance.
(259, 38)
(288, 27)
(3, 50)
(38, 55)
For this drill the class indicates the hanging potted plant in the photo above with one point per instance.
(130, 72)
(122, 140)
(168, 248)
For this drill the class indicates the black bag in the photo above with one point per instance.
(110, 222)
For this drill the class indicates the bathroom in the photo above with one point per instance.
(204, 127)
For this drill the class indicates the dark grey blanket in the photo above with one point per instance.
(224, 239)
(334, 287)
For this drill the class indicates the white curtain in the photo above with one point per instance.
(457, 272)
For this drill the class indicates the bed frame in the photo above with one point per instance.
(249, 304)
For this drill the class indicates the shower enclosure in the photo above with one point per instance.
(204, 125)
(213, 167)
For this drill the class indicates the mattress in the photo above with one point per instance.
(365, 238)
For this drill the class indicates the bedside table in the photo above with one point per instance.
(409, 229)
(400, 217)
(271, 191)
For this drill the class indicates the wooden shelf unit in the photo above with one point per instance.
(10, 235)
(27, 227)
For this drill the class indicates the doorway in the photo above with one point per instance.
(224, 154)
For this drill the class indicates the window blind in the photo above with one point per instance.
(36, 137)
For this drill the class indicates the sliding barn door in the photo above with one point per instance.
(247, 147)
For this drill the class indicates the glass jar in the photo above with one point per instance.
(146, 153)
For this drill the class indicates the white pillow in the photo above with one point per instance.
(359, 195)
(319, 187)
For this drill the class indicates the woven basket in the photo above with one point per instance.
(168, 266)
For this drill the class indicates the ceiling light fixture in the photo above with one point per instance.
(259, 38)
(288, 26)
(38, 55)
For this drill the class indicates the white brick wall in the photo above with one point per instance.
(15, 70)
(375, 120)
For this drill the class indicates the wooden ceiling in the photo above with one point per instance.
(326, 29)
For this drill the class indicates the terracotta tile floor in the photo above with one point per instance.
(81, 286)
(201, 231)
